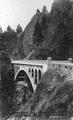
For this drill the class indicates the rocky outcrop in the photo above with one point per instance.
(53, 97)
(58, 38)
(51, 32)
(28, 33)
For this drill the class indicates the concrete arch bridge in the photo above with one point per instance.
(31, 71)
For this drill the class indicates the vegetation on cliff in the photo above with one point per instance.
(6, 81)
(53, 97)
(13, 41)
(56, 31)
(51, 31)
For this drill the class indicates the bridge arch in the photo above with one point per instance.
(21, 75)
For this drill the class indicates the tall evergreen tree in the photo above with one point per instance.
(41, 28)
(19, 29)
(9, 29)
(37, 36)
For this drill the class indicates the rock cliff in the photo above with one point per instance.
(28, 33)
(53, 97)
(47, 34)
(55, 34)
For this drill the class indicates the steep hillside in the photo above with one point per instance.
(53, 97)
(18, 51)
(53, 32)
(9, 39)
(28, 33)
(6, 81)
(62, 14)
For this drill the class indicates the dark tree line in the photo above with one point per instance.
(41, 27)
(7, 85)
(64, 31)
(8, 40)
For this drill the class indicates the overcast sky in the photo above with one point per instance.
(13, 12)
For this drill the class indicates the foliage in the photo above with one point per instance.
(64, 31)
(55, 30)
(0, 29)
(52, 30)
(40, 30)
(9, 38)
(53, 97)
(37, 36)
(7, 79)
(19, 29)
(9, 29)
(44, 10)
(41, 53)
(13, 42)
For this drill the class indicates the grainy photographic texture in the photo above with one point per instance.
(36, 60)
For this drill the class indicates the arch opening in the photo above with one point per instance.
(32, 73)
(39, 74)
(23, 78)
(29, 70)
(35, 76)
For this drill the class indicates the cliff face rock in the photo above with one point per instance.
(57, 37)
(53, 97)
(28, 33)
(62, 15)
(51, 33)
(18, 52)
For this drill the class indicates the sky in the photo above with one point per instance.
(14, 12)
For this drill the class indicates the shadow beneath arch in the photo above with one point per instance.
(24, 89)
(22, 78)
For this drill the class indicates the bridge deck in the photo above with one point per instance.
(30, 62)
(41, 62)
